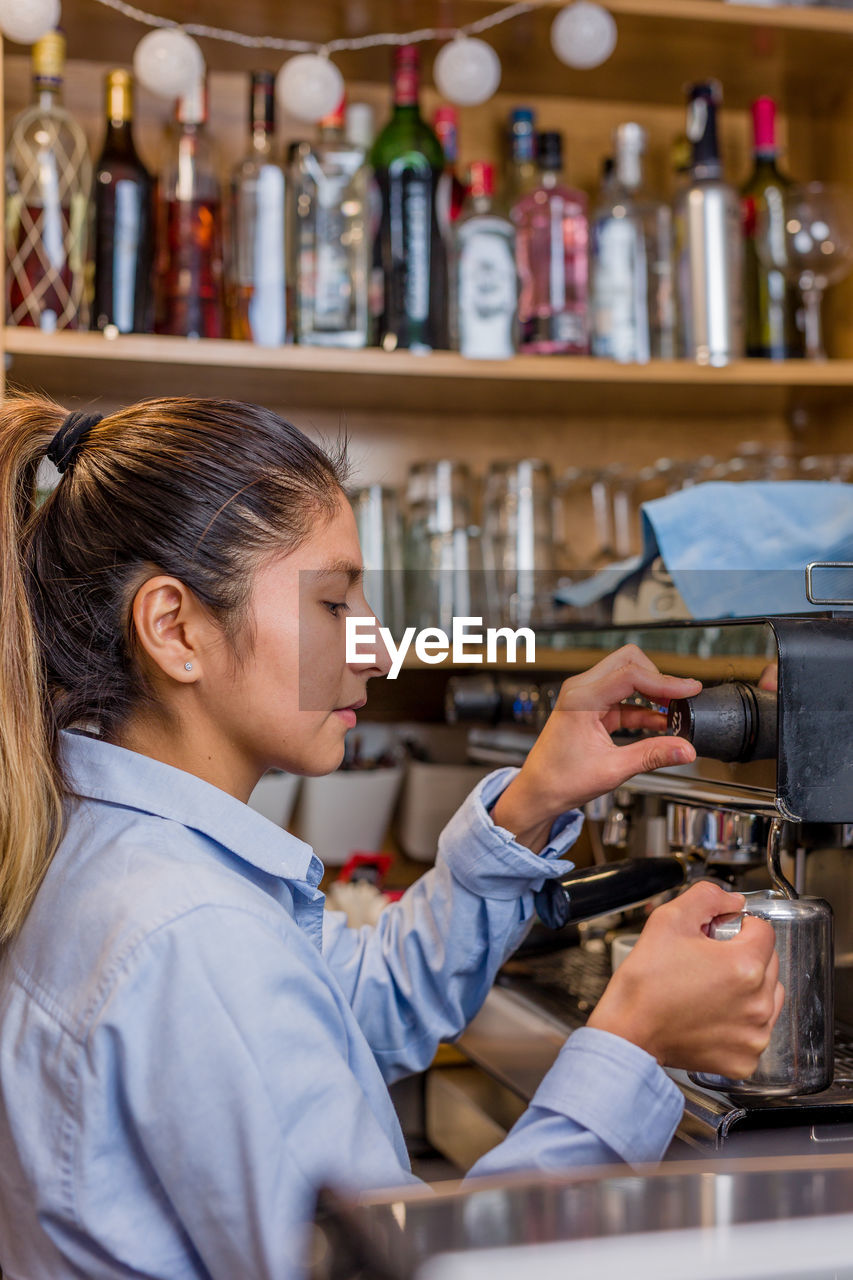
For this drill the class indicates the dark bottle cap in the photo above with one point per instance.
(702, 102)
(549, 150)
(262, 101)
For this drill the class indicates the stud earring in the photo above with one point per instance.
(188, 666)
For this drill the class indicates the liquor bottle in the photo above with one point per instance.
(486, 290)
(552, 232)
(331, 214)
(522, 171)
(709, 243)
(451, 192)
(770, 303)
(631, 262)
(123, 196)
(189, 279)
(257, 276)
(48, 183)
(408, 162)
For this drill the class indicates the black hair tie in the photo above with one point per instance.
(66, 444)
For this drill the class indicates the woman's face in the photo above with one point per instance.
(291, 700)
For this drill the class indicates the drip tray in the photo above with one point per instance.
(538, 1000)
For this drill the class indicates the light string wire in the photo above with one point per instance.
(332, 46)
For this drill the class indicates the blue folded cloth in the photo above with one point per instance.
(740, 550)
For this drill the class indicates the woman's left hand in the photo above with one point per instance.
(575, 759)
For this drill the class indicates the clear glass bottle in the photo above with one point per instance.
(770, 302)
(552, 233)
(486, 288)
(123, 198)
(190, 298)
(410, 252)
(522, 171)
(632, 306)
(258, 279)
(48, 185)
(709, 243)
(331, 214)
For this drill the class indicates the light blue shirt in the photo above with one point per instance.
(190, 1045)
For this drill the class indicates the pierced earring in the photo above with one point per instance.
(188, 666)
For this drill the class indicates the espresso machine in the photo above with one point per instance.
(767, 809)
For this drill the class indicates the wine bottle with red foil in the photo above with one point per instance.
(123, 197)
(451, 191)
(408, 163)
(190, 298)
(48, 184)
(770, 302)
(485, 282)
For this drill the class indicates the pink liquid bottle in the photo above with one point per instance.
(552, 233)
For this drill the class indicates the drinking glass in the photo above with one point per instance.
(806, 232)
(441, 545)
(380, 530)
(518, 541)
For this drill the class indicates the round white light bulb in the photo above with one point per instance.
(26, 21)
(466, 71)
(583, 35)
(309, 87)
(168, 62)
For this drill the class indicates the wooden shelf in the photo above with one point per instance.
(95, 368)
(566, 661)
(662, 43)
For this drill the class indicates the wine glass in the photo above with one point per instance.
(806, 232)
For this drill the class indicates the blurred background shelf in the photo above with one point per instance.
(95, 368)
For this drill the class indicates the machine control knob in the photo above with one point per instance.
(731, 722)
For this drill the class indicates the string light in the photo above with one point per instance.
(309, 86)
(584, 35)
(168, 62)
(467, 70)
(27, 22)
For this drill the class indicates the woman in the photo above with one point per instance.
(188, 1045)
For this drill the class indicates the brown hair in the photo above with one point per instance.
(197, 489)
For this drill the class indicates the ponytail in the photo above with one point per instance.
(30, 781)
(197, 489)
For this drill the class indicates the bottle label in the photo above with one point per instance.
(125, 251)
(332, 281)
(621, 292)
(52, 231)
(267, 317)
(487, 290)
(416, 219)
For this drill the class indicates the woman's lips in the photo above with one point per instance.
(347, 714)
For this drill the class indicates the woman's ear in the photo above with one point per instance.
(171, 627)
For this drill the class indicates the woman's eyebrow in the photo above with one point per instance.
(355, 572)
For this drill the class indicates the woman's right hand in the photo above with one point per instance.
(692, 1001)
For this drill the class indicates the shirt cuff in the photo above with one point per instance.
(617, 1091)
(488, 860)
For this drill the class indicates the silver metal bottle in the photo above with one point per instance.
(709, 243)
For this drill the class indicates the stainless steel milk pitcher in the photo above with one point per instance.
(799, 1057)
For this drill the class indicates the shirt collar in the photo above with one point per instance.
(100, 771)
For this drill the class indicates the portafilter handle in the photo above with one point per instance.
(587, 892)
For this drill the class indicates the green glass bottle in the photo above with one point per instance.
(409, 255)
(772, 331)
